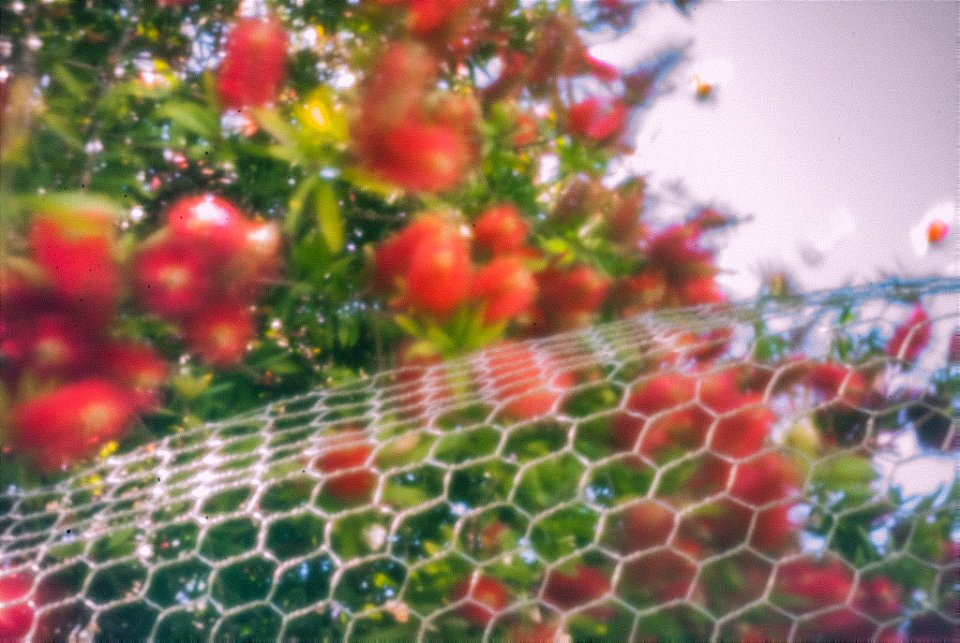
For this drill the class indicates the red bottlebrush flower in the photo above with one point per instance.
(81, 268)
(744, 432)
(220, 334)
(394, 91)
(525, 387)
(57, 347)
(827, 378)
(714, 527)
(213, 223)
(879, 597)
(804, 586)
(258, 260)
(254, 63)
(765, 479)
(525, 130)
(677, 252)
(638, 293)
(673, 434)
(139, 370)
(439, 276)
(746, 420)
(392, 257)
(581, 585)
(698, 291)
(576, 289)
(15, 619)
(774, 529)
(500, 230)
(662, 393)
(659, 576)
(912, 336)
(600, 69)
(507, 288)
(647, 524)
(71, 422)
(348, 454)
(487, 597)
(596, 120)
(172, 278)
(421, 156)
(533, 634)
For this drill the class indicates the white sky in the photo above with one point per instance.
(835, 126)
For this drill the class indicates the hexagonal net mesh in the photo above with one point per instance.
(766, 470)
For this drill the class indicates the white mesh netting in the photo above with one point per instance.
(702, 474)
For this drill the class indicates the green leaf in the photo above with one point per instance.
(191, 117)
(298, 201)
(66, 206)
(845, 473)
(73, 86)
(329, 218)
(276, 126)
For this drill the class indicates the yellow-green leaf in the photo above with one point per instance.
(329, 218)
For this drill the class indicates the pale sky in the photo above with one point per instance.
(835, 125)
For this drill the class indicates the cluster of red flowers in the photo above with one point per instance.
(202, 271)
(75, 383)
(428, 269)
(254, 63)
(680, 270)
(408, 134)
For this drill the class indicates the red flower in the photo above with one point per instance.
(172, 278)
(81, 268)
(258, 260)
(879, 597)
(439, 276)
(139, 370)
(541, 633)
(698, 291)
(660, 393)
(348, 453)
(254, 63)
(601, 69)
(746, 420)
(912, 336)
(421, 156)
(582, 585)
(827, 378)
(804, 585)
(220, 334)
(392, 257)
(507, 288)
(15, 619)
(214, 224)
(525, 130)
(524, 386)
(774, 529)
(765, 479)
(648, 524)
(487, 597)
(568, 297)
(658, 576)
(500, 230)
(71, 422)
(597, 120)
(57, 347)
(676, 252)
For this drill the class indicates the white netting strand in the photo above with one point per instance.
(763, 470)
